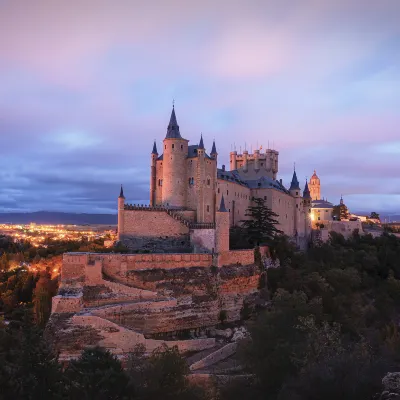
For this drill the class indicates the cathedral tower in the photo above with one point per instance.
(315, 187)
(174, 166)
(296, 193)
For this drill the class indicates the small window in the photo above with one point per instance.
(227, 192)
(208, 182)
(173, 146)
(181, 146)
(208, 208)
(265, 197)
(297, 193)
(165, 147)
(218, 190)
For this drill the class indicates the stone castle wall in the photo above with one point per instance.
(152, 223)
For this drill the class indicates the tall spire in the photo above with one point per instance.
(306, 192)
(295, 182)
(121, 193)
(154, 148)
(214, 149)
(173, 127)
(222, 207)
(201, 144)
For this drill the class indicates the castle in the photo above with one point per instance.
(184, 278)
(186, 183)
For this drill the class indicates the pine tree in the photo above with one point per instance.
(261, 227)
(97, 374)
(42, 299)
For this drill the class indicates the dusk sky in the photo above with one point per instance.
(86, 86)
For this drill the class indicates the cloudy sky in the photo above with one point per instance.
(86, 85)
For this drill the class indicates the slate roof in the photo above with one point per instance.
(214, 149)
(295, 185)
(306, 193)
(173, 127)
(321, 204)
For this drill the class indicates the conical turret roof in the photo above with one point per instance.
(306, 192)
(295, 182)
(173, 127)
(121, 193)
(201, 144)
(154, 148)
(222, 207)
(214, 149)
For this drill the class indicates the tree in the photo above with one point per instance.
(163, 375)
(42, 299)
(28, 368)
(374, 215)
(4, 262)
(261, 227)
(340, 212)
(97, 374)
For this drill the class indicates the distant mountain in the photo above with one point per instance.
(48, 217)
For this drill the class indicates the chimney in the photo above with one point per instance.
(223, 167)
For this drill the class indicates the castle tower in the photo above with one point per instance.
(257, 160)
(214, 154)
(307, 209)
(174, 189)
(245, 160)
(200, 180)
(315, 187)
(154, 156)
(233, 160)
(296, 193)
(222, 228)
(121, 207)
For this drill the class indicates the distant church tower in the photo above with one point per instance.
(315, 187)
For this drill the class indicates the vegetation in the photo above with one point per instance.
(374, 215)
(331, 329)
(260, 228)
(29, 370)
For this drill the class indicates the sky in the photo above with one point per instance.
(87, 85)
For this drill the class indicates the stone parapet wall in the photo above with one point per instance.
(243, 257)
(124, 263)
(73, 267)
(143, 223)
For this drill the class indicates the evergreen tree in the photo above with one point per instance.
(97, 374)
(42, 299)
(261, 226)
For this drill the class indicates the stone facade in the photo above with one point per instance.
(185, 179)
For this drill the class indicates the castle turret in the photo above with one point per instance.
(315, 187)
(233, 160)
(174, 189)
(222, 228)
(214, 153)
(200, 179)
(245, 161)
(153, 177)
(257, 160)
(121, 206)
